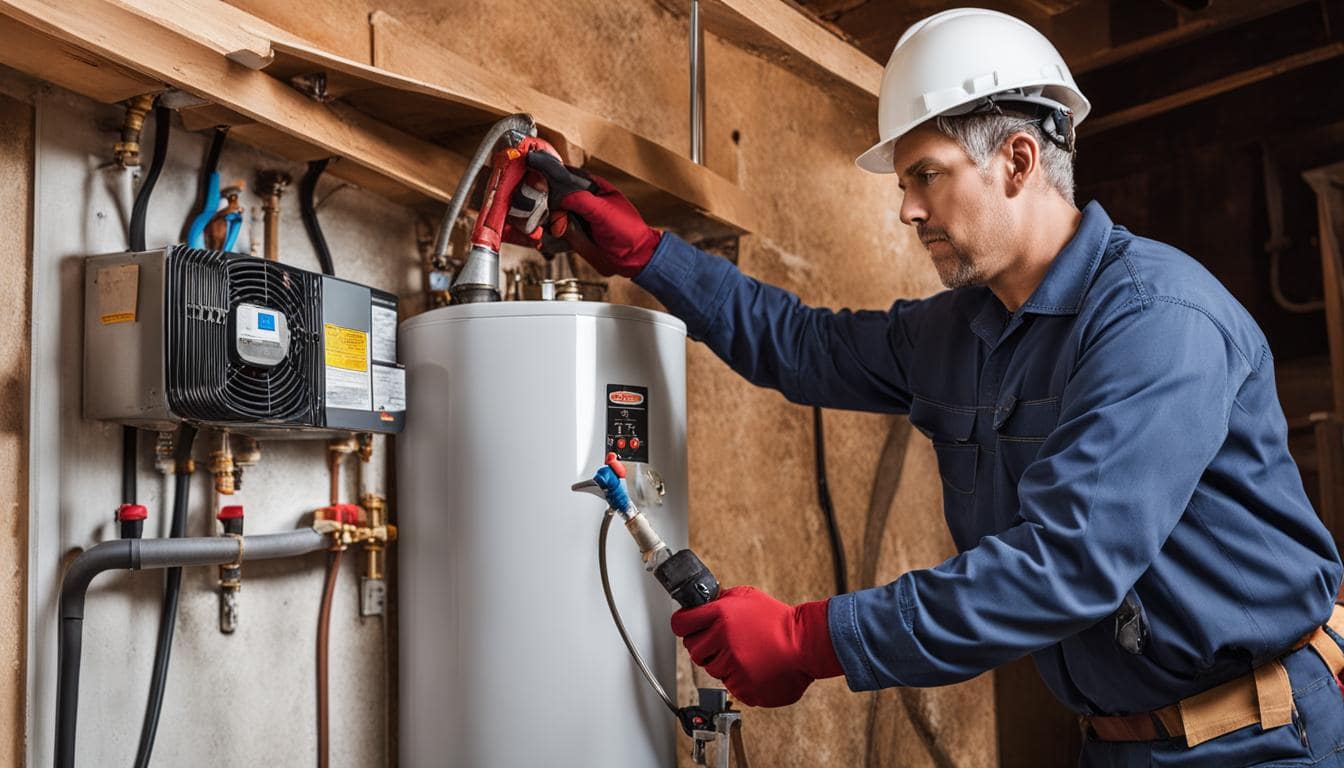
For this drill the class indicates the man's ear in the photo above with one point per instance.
(1022, 153)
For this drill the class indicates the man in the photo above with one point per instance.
(1114, 460)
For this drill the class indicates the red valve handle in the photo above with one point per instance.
(616, 465)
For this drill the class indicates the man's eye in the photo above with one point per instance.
(927, 176)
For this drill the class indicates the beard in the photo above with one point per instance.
(956, 268)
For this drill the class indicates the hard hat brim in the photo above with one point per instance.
(878, 158)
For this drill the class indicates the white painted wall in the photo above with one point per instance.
(241, 699)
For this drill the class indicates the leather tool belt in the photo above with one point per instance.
(1264, 696)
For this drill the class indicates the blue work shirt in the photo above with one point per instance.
(1114, 461)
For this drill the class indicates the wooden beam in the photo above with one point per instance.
(1328, 184)
(130, 40)
(339, 26)
(215, 25)
(683, 195)
(1221, 15)
(781, 32)
(67, 66)
(1208, 90)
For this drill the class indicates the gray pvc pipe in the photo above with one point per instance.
(137, 554)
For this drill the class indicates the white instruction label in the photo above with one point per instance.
(389, 388)
(384, 334)
(348, 389)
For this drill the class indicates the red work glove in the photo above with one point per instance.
(764, 651)
(614, 238)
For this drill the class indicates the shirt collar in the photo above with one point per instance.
(1061, 292)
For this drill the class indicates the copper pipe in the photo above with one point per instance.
(271, 185)
(337, 450)
(334, 466)
(323, 644)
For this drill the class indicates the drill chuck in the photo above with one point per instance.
(687, 579)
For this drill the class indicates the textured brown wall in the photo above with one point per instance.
(16, 173)
(828, 232)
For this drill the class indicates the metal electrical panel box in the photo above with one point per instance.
(224, 339)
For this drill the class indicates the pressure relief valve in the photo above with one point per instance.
(682, 574)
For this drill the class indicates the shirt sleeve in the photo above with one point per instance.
(1142, 416)
(856, 360)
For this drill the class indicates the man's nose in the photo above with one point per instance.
(912, 211)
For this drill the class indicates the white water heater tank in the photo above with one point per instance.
(508, 655)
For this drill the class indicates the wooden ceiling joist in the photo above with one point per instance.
(668, 187)
(68, 66)
(781, 32)
(1218, 16)
(388, 123)
(1210, 89)
(134, 42)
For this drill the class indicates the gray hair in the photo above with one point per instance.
(980, 134)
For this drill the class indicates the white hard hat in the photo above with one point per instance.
(953, 63)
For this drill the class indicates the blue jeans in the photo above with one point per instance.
(1315, 738)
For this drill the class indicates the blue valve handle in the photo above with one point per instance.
(614, 488)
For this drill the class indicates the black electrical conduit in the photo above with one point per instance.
(136, 236)
(141, 554)
(130, 444)
(824, 499)
(136, 240)
(172, 586)
(308, 211)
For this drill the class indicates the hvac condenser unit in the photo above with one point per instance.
(225, 339)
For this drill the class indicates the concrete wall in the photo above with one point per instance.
(245, 698)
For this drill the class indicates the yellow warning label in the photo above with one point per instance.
(118, 290)
(347, 348)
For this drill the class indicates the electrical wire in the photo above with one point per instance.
(135, 238)
(136, 235)
(163, 649)
(130, 445)
(620, 625)
(323, 654)
(308, 212)
(209, 169)
(828, 509)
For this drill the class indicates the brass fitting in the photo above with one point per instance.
(221, 467)
(342, 446)
(271, 185)
(375, 510)
(341, 523)
(365, 441)
(127, 151)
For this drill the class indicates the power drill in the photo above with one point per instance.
(500, 221)
(682, 574)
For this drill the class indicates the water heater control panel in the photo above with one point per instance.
(628, 422)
